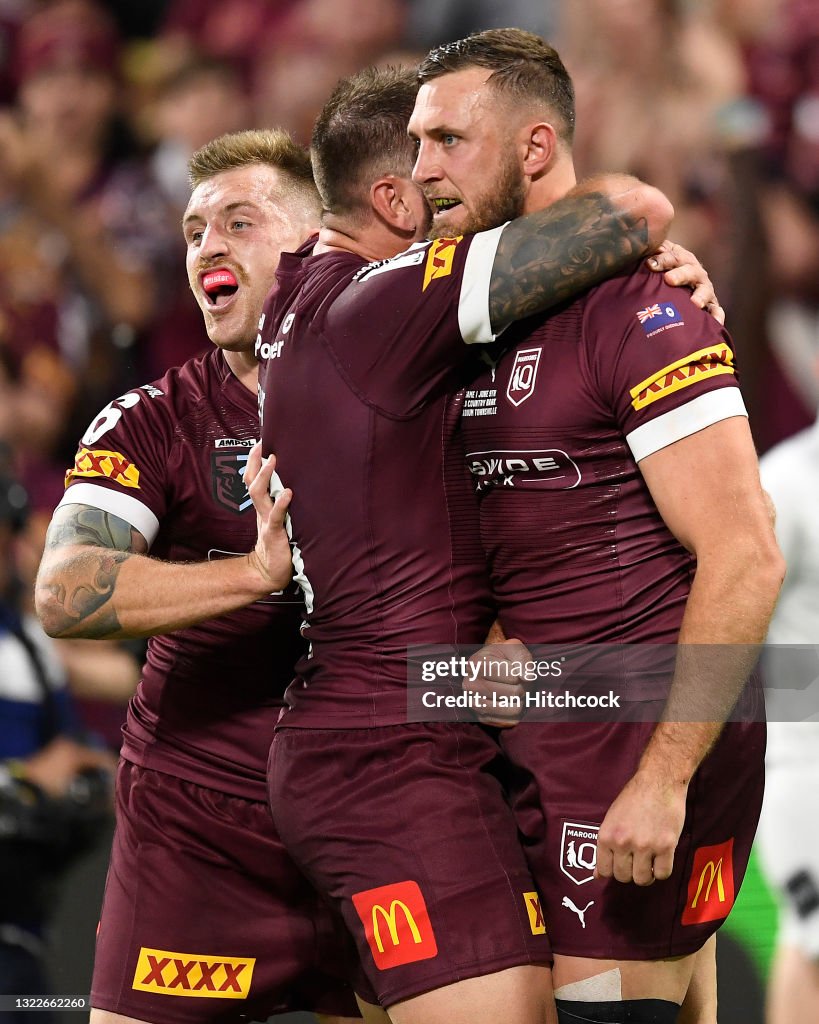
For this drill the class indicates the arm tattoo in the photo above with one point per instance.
(82, 524)
(550, 256)
(78, 588)
(93, 578)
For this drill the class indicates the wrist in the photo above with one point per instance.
(676, 749)
(665, 765)
(260, 582)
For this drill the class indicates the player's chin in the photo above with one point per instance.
(223, 335)
(446, 225)
(234, 343)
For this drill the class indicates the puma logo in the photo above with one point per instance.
(567, 903)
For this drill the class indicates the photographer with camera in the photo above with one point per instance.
(55, 791)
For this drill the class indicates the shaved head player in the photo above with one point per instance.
(610, 541)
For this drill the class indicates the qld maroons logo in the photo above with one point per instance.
(578, 851)
(227, 481)
(523, 377)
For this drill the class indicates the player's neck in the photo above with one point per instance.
(547, 189)
(244, 366)
(371, 242)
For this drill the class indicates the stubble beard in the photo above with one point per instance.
(503, 202)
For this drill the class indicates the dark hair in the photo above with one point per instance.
(361, 134)
(524, 67)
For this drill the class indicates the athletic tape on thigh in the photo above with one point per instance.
(605, 987)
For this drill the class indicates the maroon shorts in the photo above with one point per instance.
(205, 917)
(568, 774)
(407, 831)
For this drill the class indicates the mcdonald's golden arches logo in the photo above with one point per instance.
(396, 924)
(711, 885)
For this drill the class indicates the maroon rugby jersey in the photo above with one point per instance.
(553, 434)
(168, 459)
(359, 363)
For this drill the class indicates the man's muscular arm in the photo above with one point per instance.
(707, 489)
(96, 581)
(84, 552)
(600, 228)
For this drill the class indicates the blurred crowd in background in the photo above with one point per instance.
(714, 101)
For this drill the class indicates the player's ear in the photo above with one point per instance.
(388, 196)
(539, 148)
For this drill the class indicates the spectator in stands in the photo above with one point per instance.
(200, 100)
(675, 112)
(656, 113)
(85, 231)
(318, 43)
(431, 22)
(782, 48)
(54, 787)
(233, 30)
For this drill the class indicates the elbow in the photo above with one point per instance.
(657, 211)
(49, 603)
(771, 561)
(775, 568)
(765, 569)
(49, 612)
(640, 204)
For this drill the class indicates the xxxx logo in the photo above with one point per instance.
(535, 912)
(96, 462)
(699, 365)
(191, 974)
(439, 260)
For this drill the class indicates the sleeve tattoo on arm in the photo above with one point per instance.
(80, 586)
(550, 256)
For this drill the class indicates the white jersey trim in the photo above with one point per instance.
(696, 415)
(122, 505)
(299, 575)
(473, 304)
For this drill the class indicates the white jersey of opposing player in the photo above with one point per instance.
(790, 474)
(788, 836)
